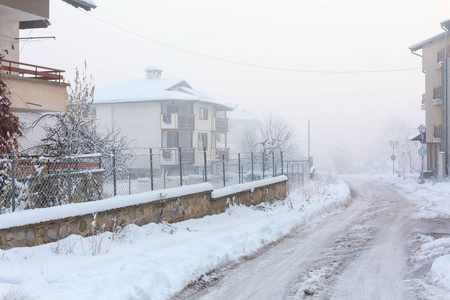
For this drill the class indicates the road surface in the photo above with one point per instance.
(359, 253)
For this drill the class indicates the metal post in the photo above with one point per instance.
(239, 166)
(129, 182)
(181, 166)
(151, 169)
(223, 169)
(282, 167)
(263, 166)
(273, 164)
(205, 165)
(164, 178)
(13, 183)
(69, 180)
(114, 172)
(252, 168)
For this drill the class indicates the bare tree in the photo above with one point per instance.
(273, 133)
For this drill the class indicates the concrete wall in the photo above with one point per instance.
(34, 95)
(196, 204)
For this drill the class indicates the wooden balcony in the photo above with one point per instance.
(34, 88)
(221, 124)
(177, 121)
(170, 156)
(222, 153)
(28, 70)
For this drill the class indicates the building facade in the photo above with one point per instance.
(435, 53)
(165, 115)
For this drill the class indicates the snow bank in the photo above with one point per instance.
(34, 216)
(249, 186)
(156, 261)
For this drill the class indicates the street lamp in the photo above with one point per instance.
(393, 144)
(422, 151)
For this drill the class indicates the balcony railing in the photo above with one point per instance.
(437, 93)
(177, 121)
(222, 153)
(221, 124)
(170, 156)
(31, 71)
(437, 131)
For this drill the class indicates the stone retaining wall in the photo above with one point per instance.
(199, 203)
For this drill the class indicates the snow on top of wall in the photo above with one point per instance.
(34, 216)
(234, 189)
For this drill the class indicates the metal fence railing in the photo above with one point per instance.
(35, 182)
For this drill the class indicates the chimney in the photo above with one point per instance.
(153, 72)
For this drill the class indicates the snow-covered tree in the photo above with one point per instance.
(75, 131)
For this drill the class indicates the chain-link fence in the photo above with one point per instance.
(34, 182)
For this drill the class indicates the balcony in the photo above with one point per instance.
(177, 121)
(437, 133)
(222, 153)
(170, 156)
(424, 99)
(221, 124)
(34, 88)
(441, 54)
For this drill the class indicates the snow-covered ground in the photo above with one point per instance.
(158, 260)
(433, 201)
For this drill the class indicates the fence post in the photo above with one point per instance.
(239, 166)
(129, 182)
(282, 167)
(181, 166)
(13, 184)
(263, 165)
(204, 161)
(164, 178)
(223, 169)
(151, 169)
(114, 171)
(252, 167)
(69, 180)
(273, 164)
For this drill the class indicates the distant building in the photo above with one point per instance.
(165, 115)
(435, 54)
(240, 121)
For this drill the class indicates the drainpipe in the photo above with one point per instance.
(445, 108)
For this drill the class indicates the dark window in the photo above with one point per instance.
(203, 115)
(202, 140)
(172, 139)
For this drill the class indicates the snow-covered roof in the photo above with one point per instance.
(239, 114)
(418, 46)
(143, 90)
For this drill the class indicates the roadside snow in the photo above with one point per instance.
(432, 199)
(156, 261)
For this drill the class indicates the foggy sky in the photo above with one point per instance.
(349, 112)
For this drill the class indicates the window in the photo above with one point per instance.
(172, 139)
(203, 115)
(202, 140)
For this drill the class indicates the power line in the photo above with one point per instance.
(244, 63)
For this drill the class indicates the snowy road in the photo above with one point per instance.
(360, 253)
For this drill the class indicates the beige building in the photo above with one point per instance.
(435, 52)
(34, 88)
(165, 114)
